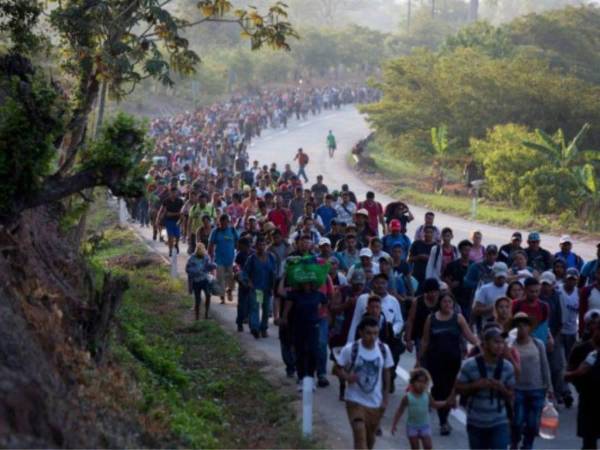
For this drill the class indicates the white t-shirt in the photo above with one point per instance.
(569, 304)
(594, 299)
(369, 365)
(488, 294)
(390, 307)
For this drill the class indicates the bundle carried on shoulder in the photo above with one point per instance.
(306, 269)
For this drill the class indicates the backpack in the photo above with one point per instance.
(501, 401)
(354, 353)
(303, 159)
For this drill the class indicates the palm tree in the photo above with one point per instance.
(562, 153)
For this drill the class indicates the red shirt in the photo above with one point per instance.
(538, 309)
(375, 210)
(280, 218)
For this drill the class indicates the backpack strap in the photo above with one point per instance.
(353, 355)
(382, 350)
(498, 376)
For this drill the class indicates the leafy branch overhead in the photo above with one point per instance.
(117, 43)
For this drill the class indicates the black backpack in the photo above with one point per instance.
(466, 400)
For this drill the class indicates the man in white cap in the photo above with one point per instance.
(366, 262)
(566, 253)
(364, 233)
(486, 296)
(325, 248)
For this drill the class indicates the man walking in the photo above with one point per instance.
(302, 159)
(365, 366)
(221, 248)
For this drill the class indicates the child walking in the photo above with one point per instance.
(417, 402)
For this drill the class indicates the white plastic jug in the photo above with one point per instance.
(549, 421)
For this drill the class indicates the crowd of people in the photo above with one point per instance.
(498, 330)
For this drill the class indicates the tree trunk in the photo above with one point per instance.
(408, 15)
(473, 10)
(101, 104)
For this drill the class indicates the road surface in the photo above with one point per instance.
(329, 416)
(349, 126)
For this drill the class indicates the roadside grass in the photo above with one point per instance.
(411, 182)
(194, 378)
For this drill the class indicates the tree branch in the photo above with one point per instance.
(56, 188)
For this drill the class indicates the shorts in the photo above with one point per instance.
(172, 228)
(225, 277)
(418, 431)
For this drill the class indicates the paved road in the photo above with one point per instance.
(349, 126)
(330, 418)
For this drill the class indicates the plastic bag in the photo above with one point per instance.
(305, 269)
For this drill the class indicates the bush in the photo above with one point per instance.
(548, 189)
(506, 160)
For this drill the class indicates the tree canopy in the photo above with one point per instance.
(118, 43)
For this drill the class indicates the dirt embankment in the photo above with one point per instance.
(54, 389)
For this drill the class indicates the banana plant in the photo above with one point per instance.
(589, 193)
(442, 147)
(562, 153)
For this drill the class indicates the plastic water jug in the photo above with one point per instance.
(549, 422)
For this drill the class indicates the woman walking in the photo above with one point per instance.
(198, 269)
(442, 352)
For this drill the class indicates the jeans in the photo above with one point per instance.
(143, 213)
(306, 345)
(286, 344)
(243, 305)
(302, 173)
(494, 438)
(527, 413)
(323, 353)
(261, 324)
(556, 361)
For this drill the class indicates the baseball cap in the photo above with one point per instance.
(395, 225)
(491, 331)
(517, 235)
(548, 278)
(491, 249)
(350, 225)
(500, 269)
(358, 277)
(572, 273)
(252, 218)
(362, 212)
(324, 241)
(534, 236)
(564, 239)
(520, 317)
(365, 252)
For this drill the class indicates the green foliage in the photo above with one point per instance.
(548, 189)
(30, 122)
(506, 160)
(493, 41)
(471, 92)
(120, 146)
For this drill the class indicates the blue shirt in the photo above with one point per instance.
(389, 241)
(306, 305)
(326, 213)
(570, 259)
(261, 273)
(589, 271)
(224, 242)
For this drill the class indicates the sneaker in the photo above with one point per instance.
(264, 334)
(255, 334)
(323, 382)
(240, 328)
(378, 433)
